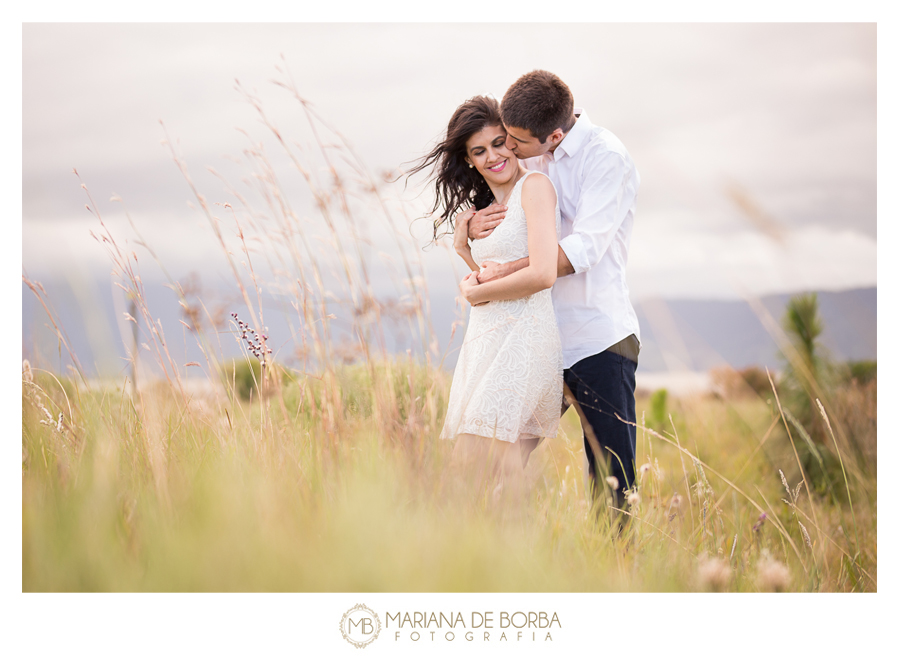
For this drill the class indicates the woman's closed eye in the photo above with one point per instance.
(498, 143)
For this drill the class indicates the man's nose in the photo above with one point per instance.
(510, 143)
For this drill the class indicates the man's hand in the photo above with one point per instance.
(491, 271)
(483, 222)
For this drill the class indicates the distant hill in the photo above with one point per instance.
(699, 335)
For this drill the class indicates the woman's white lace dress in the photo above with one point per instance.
(508, 379)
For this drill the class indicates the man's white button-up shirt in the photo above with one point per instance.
(596, 184)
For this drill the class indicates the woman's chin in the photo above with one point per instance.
(512, 169)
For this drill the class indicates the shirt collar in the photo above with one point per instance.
(576, 137)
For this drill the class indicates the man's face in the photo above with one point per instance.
(525, 145)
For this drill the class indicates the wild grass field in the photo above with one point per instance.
(324, 472)
(164, 493)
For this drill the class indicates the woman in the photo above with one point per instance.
(507, 387)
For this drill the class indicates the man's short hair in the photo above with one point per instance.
(538, 102)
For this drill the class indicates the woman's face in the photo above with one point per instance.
(487, 151)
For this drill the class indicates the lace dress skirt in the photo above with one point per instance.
(508, 380)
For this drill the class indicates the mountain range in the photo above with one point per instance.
(698, 335)
(677, 335)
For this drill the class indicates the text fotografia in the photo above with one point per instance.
(480, 626)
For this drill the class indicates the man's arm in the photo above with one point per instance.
(491, 270)
(608, 192)
(563, 266)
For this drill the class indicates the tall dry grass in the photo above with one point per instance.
(331, 477)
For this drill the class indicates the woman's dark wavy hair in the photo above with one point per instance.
(455, 183)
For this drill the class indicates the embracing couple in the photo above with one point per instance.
(552, 201)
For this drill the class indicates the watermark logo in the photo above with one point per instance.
(360, 626)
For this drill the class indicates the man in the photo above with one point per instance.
(596, 184)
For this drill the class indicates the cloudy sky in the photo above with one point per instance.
(782, 116)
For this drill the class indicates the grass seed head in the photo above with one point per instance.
(713, 574)
(784, 481)
(772, 575)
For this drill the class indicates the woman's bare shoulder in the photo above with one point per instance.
(538, 185)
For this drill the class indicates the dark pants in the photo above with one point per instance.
(603, 386)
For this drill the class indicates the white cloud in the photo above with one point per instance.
(668, 260)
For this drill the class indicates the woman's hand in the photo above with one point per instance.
(468, 288)
(461, 232)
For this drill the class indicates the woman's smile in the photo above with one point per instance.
(497, 168)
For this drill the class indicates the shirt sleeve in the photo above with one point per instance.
(609, 187)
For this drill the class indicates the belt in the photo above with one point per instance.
(627, 347)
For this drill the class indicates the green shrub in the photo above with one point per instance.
(244, 377)
(658, 418)
(861, 371)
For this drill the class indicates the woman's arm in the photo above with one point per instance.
(539, 204)
(461, 239)
(490, 270)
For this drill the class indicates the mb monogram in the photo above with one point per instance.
(360, 626)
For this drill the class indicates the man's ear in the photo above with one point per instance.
(556, 136)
